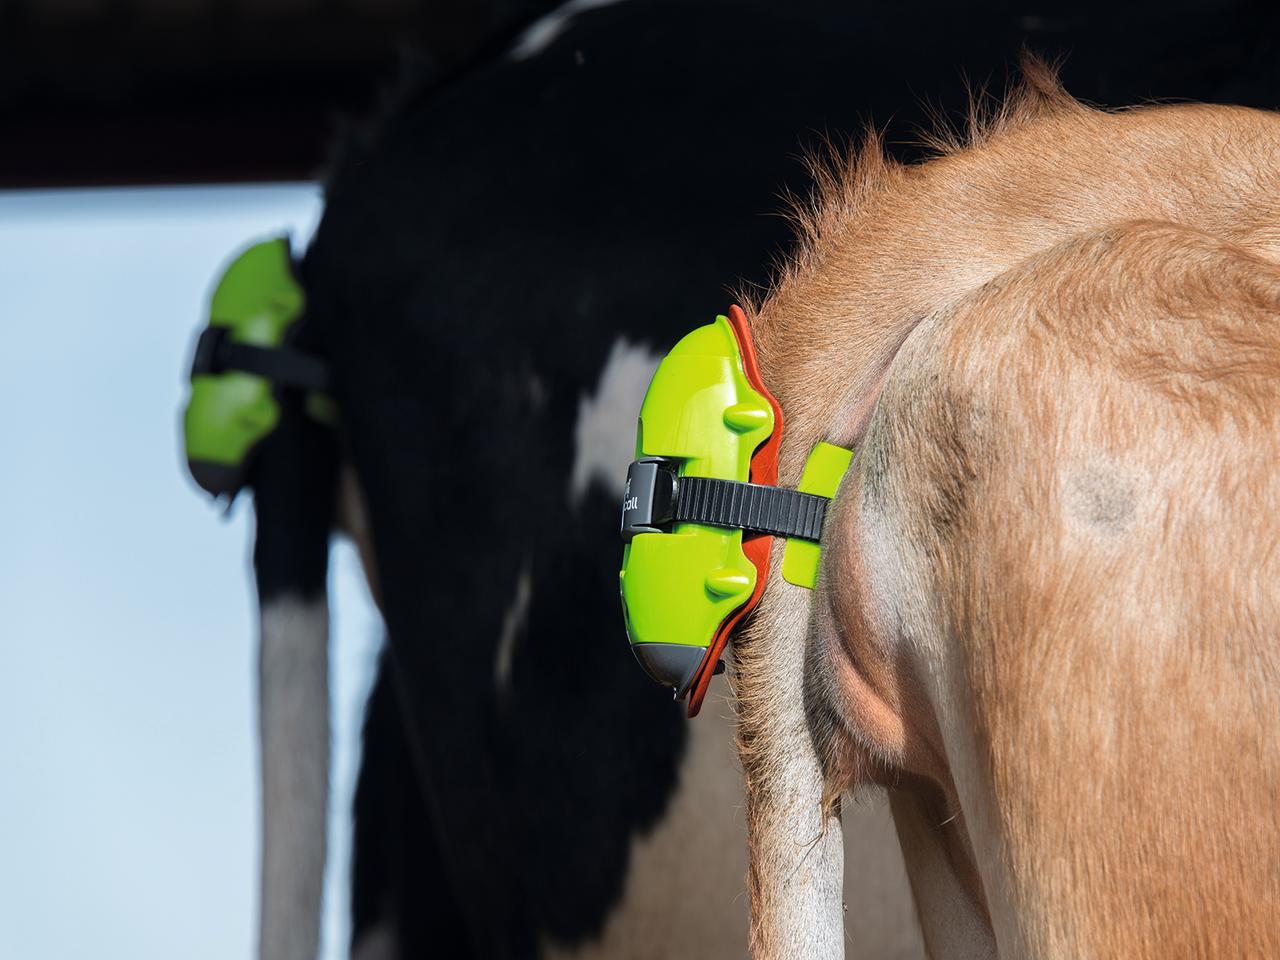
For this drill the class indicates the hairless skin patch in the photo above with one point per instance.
(1101, 496)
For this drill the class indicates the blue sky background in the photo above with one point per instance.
(128, 784)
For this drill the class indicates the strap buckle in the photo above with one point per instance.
(656, 497)
(648, 499)
(208, 358)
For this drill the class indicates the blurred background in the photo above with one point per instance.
(99, 92)
(141, 142)
(127, 705)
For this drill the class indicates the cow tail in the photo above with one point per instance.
(294, 483)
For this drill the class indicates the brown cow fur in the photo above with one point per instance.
(1048, 615)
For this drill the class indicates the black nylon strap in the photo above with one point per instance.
(751, 506)
(281, 365)
(216, 353)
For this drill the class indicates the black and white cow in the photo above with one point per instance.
(498, 268)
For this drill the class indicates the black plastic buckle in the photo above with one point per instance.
(649, 497)
(209, 353)
(656, 498)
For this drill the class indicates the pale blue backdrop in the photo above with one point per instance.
(128, 784)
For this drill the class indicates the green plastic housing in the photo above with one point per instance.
(701, 410)
(229, 413)
(823, 472)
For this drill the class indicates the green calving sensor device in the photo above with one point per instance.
(242, 359)
(701, 506)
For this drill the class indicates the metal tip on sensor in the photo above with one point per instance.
(670, 664)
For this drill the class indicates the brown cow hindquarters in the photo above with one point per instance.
(1048, 607)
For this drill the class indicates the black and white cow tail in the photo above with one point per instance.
(294, 481)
